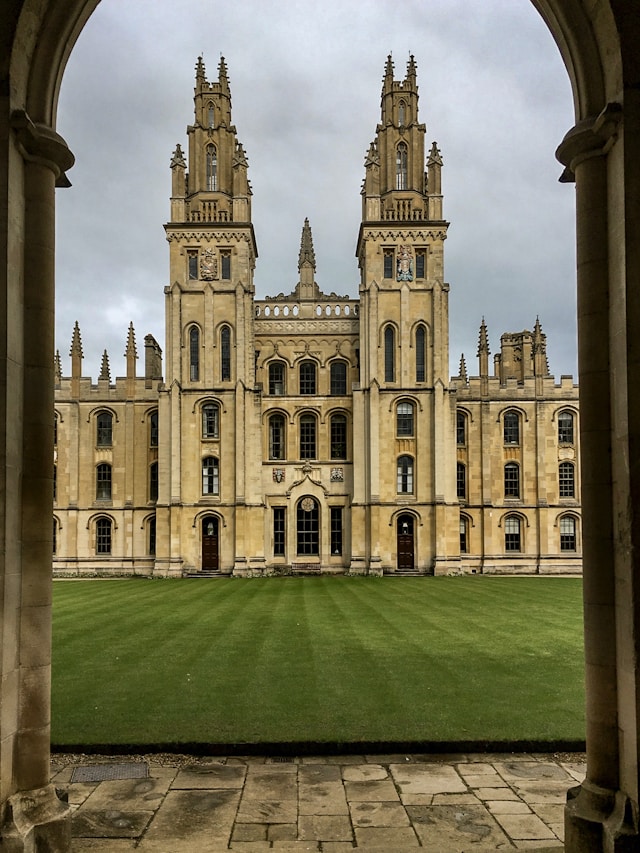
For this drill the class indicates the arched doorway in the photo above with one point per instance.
(405, 546)
(210, 544)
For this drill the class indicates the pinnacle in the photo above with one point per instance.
(105, 372)
(307, 253)
(76, 341)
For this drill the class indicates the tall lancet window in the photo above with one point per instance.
(401, 166)
(210, 115)
(194, 354)
(402, 114)
(212, 168)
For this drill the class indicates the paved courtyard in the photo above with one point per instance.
(391, 803)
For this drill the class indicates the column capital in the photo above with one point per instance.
(592, 137)
(41, 144)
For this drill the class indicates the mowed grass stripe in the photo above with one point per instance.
(317, 659)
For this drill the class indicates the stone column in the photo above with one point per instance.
(599, 814)
(35, 819)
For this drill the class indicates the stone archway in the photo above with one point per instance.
(598, 41)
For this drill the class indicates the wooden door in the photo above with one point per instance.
(210, 557)
(405, 544)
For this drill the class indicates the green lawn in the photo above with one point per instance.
(317, 659)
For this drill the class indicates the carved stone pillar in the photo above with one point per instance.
(601, 814)
(34, 818)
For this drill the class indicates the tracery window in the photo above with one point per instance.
(402, 113)
(225, 264)
(210, 420)
(210, 115)
(401, 166)
(212, 168)
(308, 527)
(388, 265)
(210, 476)
(421, 258)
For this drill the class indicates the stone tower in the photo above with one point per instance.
(404, 353)
(209, 327)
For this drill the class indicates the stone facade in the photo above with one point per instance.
(311, 432)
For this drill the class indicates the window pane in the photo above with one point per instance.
(307, 377)
(103, 482)
(193, 265)
(388, 263)
(153, 429)
(511, 480)
(404, 419)
(336, 531)
(389, 354)
(566, 480)
(565, 428)
(153, 481)
(338, 377)
(420, 354)
(420, 264)
(463, 536)
(276, 437)
(307, 527)
(461, 480)
(212, 168)
(461, 428)
(512, 534)
(225, 258)
(210, 421)
(225, 359)
(567, 533)
(307, 437)
(339, 437)
(194, 354)
(152, 535)
(279, 531)
(401, 167)
(210, 476)
(276, 378)
(104, 426)
(511, 428)
(405, 475)
(103, 536)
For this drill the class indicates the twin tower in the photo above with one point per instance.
(314, 433)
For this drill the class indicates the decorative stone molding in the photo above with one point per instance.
(40, 144)
(592, 137)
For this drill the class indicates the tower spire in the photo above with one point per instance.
(483, 350)
(307, 287)
(105, 371)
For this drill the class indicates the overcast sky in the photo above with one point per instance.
(305, 82)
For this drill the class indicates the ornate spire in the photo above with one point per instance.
(540, 360)
(462, 372)
(223, 78)
(76, 342)
(411, 71)
(307, 255)
(483, 340)
(201, 74)
(434, 158)
(131, 350)
(178, 158)
(57, 367)
(105, 372)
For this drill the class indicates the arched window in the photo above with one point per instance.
(461, 428)
(210, 476)
(212, 168)
(405, 475)
(276, 437)
(568, 533)
(103, 536)
(512, 480)
(404, 419)
(338, 383)
(276, 378)
(308, 377)
(103, 482)
(104, 429)
(225, 353)
(210, 420)
(461, 481)
(512, 536)
(389, 354)
(401, 166)
(153, 429)
(153, 481)
(421, 350)
(511, 428)
(339, 437)
(464, 534)
(308, 527)
(565, 428)
(402, 114)
(566, 480)
(194, 354)
(210, 115)
(308, 437)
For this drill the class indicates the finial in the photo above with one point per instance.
(57, 366)
(388, 69)
(178, 158)
(105, 373)
(307, 255)
(222, 69)
(434, 156)
(483, 342)
(131, 342)
(411, 67)
(462, 373)
(76, 341)
(201, 75)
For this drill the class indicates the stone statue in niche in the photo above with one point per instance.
(404, 264)
(209, 265)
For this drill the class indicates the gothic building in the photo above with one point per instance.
(313, 432)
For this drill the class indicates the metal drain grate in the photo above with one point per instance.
(281, 759)
(110, 772)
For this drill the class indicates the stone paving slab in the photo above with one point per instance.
(380, 804)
